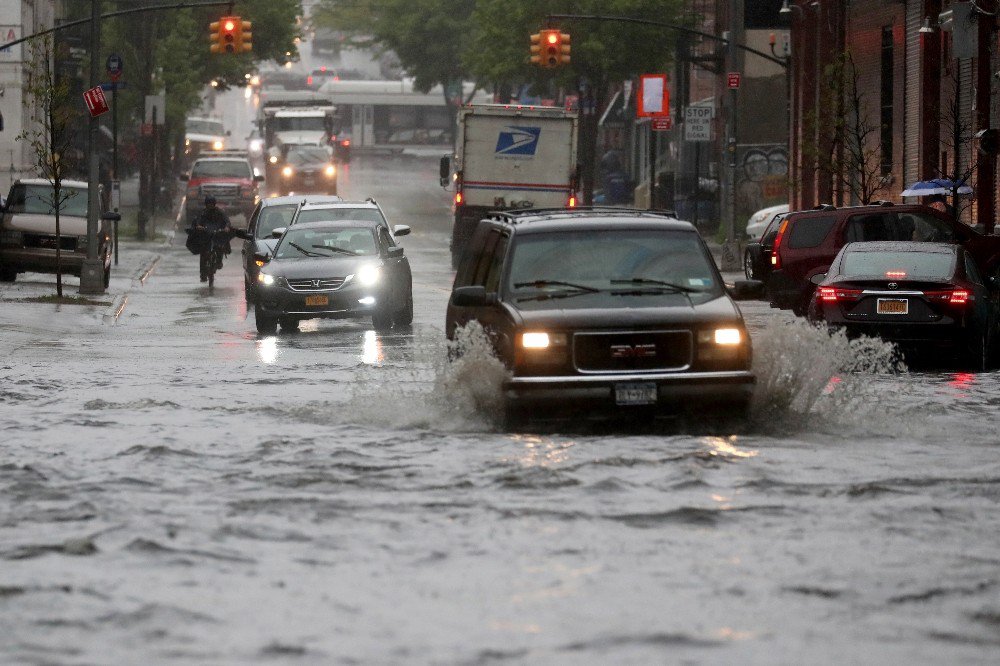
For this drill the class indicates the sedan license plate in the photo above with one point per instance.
(317, 300)
(635, 394)
(893, 306)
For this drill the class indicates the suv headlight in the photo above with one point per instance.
(10, 237)
(267, 280)
(724, 343)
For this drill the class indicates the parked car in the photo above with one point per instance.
(757, 255)
(270, 214)
(760, 220)
(28, 230)
(603, 309)
(334, 270)
(807, 242)
(231, 180)
(308, 168)
(925, 297)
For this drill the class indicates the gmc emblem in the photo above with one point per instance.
(633, 351)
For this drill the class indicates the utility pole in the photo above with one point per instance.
(92, 272)
(730, 249)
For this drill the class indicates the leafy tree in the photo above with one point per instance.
(50, 138)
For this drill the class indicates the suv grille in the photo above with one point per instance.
(221, 191)
(640, 351)
(319, 284)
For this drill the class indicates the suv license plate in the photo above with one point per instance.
(635, 394)
(317, 300)
(893, 306)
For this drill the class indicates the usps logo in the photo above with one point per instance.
(518, 140)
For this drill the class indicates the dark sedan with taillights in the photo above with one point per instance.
(334, 270)
(604, 309)
(924, 297)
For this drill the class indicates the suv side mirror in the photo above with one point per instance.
(444, 170)
(819, 277)
(261, 259)
(258, 178)
(395, 252)
(747, 289)
(400, 230)
(279, 232)
(471, 297)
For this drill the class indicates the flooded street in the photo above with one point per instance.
(173, 488)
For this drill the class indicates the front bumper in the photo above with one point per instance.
(675, 391)
(343, 303)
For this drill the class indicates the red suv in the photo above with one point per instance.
(809, 240)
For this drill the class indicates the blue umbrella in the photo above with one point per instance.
(925, 188)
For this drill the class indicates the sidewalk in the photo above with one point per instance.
(32, 297)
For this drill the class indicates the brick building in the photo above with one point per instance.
(924, 71)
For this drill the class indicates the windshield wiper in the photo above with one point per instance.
(336, 249)
(556, 283)
(304, 251)
(658, 283)
(549, 295)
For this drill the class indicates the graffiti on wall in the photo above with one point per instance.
(762, 177)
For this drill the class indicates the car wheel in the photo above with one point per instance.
(404, 315)
(7, 275)
(748, 265)
(382, 320)
(289, 324)
(266, 325)
(978, 353)
(801, 308)
(247, 291)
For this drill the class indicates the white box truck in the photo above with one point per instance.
(509, 156)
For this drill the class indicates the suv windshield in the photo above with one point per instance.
(326, 242)
(901, 265)
(611, 263)
(273, 217)
(304, 155)
(339, 214)
(212, 127)
(221, 169)
(38, 200)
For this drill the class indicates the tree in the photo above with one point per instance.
(51, 139)
(846, 140)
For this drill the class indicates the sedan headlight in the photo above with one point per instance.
(273, 159)
(331, 171)
(265, 279)
(287, 172)
(217, 145)
(368, 275)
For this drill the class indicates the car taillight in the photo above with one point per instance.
(834, 294)
(775, 255)
(458, 198)
(309, 80)
(346, 143)
(571, 203)
(949, 296)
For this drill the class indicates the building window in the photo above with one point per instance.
(885, 101)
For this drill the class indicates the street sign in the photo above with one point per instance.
(733, 80)
(114, 85)
(654, 97)
(96, 102)
(11, 33)
(698, 123)
(662, 123)
(116, 66)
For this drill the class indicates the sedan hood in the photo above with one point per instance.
(46, 224)
(679, 312)
(325, 267)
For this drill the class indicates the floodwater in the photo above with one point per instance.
(175, 489)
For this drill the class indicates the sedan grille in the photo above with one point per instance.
(49, 241)
(635, 351)
(317, 284)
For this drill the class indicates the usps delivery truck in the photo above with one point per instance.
(510, 157)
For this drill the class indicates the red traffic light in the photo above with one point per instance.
(230, 25)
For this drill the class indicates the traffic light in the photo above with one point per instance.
(225, 33)
(555, 48)
(536, 49)
(245, 37)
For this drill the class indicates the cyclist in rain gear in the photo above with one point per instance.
(209, 221)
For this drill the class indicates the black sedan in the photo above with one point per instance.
(925, 297)
(334, 270)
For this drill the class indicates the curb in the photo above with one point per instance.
(143, 273)
(115, 311)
